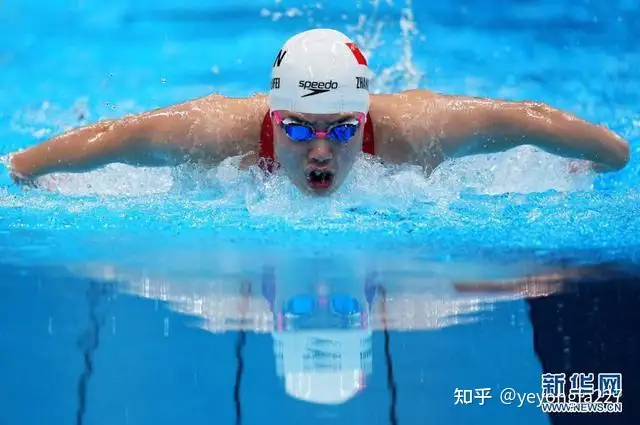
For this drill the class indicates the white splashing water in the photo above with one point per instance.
(402, 75)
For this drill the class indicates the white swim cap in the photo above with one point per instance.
(320, 71)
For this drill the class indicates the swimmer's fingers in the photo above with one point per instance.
(46, 183)
(601, 168)
(588, 167)
(23, 181)
(577, 166)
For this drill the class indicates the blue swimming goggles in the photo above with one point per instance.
(300, 132)
(306, 305)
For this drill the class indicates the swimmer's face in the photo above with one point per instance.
(320, 165)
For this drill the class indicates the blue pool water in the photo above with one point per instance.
(147, 296)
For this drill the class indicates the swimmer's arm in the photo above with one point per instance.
(167, 136)
(84, 149)
(480, 126)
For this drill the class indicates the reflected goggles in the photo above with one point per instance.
(339, 305)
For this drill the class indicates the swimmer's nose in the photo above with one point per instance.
(320, 153)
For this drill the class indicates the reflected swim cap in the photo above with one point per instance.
(324, 366)
(320, 71)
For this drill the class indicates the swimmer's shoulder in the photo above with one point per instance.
(250, 108)
(392, 115)
(232, 124)
(406, 100)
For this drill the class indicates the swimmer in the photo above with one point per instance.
(317, 117)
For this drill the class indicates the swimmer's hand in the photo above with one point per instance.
(576, 167)
(21, 180)
(601, 168)
(26, 182)
(16, 176)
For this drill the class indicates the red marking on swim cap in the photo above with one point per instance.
(357, 53)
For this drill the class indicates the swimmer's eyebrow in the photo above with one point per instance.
(294, 116)
(345, 119)
(296, 119)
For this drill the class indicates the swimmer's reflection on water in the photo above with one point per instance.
(322, 322)
(322, 339)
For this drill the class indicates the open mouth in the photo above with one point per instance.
(320, 179)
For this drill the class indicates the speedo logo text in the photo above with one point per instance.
(317, 87)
